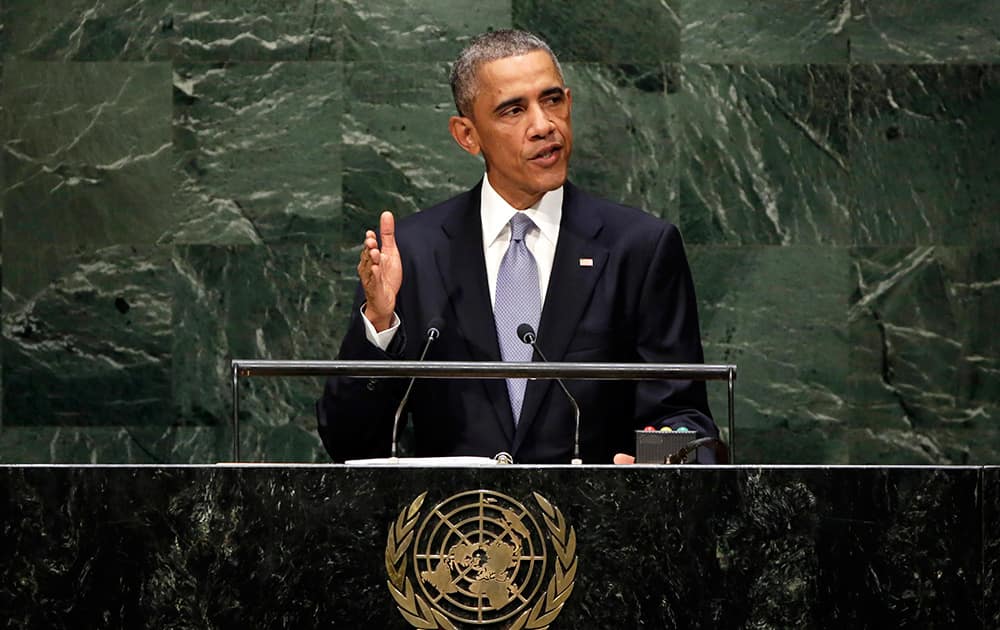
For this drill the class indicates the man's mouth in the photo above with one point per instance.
(547, 154)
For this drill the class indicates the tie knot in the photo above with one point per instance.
(519, 226)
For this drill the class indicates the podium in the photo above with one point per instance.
(659, 547)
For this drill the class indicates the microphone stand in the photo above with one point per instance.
(433, 332)
(527, 335)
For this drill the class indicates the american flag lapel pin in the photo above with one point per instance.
(586, 262)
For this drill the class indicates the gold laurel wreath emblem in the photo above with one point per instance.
(420, 614)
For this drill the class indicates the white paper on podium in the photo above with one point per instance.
(429, 462)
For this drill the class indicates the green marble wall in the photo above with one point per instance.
(185, 182)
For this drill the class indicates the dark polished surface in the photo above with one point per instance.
(683, 547)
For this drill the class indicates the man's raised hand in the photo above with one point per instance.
(381, 273)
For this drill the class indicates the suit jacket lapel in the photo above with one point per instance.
(570, 286)
(462, 266)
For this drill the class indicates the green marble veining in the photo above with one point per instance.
(628, 31)
(925, 381)
(68, 444)
(3, 187)
(923, 146)
(765, 31)
(94, 346)
(186, 182)
(764, 154)
(256, 30)
(412, 30)
(84, 30)
(397, 152)
(258, 152)
(778, 314)
(87, 162)
(925, 31)
(256, 302)
(624, 146)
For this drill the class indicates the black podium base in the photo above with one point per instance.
(657, 547)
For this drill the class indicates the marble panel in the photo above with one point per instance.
(991, 546)
(256, 30)
(93, 347)
(665, 548)
(822, 444)
(628, 31)
(257, 302)
(257, 148)
(86, 162)
(921, 142)
(771, 548)
(410, 30)
(768, 31)
(778, 313)
(3, 187)
(397, 152)
(114, 444)
(900, 547)
(906, 447)
(925, 31)
(101, 167)
(85, 30)
(763, 154)
(623, 141)
(924, 372)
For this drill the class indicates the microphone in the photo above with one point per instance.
(433, 332)
(527, 335)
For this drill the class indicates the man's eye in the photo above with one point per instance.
(513, 111)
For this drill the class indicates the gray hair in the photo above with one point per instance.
(485, 48)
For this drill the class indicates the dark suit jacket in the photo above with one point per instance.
(635, 304)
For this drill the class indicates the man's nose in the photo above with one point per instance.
(541, 124)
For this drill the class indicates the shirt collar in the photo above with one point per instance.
(496, 213)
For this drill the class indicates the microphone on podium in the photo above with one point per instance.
(527, 335)
(433, 332)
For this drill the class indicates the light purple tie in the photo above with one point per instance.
(518, 301)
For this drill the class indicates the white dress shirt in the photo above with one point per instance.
(496, 214)
(541, 240)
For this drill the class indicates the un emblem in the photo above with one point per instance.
(480, 558)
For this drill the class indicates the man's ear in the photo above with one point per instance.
(464, 132)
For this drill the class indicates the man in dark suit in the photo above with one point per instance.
(597, 280)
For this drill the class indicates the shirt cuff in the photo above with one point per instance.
(381, 340)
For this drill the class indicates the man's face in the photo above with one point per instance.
(520, 121)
